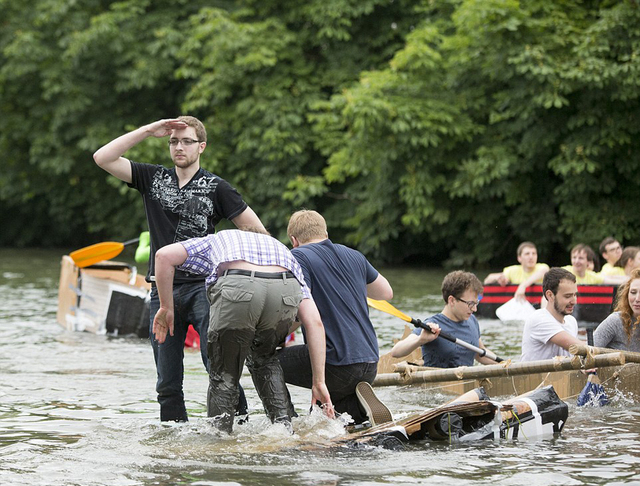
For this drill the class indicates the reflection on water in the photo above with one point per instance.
(80, 409)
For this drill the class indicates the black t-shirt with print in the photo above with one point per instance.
(178, 214)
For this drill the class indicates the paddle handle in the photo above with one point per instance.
(481, 352)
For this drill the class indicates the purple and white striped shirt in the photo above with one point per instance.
(207, 253)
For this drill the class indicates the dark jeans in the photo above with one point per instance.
(341, 380)
(190, 307)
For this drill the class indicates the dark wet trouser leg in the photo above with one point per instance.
(228, 350)
(196, 308)
(169, 357)
(232, 325)
(296, 367)
(341, 380)
(268, 377)
(280, 308)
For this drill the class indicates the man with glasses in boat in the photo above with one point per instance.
(340, 279)
(460, 291)
(611, 251)
(550, 331)
(182, 202)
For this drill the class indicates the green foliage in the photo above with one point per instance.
(501, 121)
(423, 130)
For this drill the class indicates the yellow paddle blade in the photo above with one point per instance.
(384, 306)
(93, 254)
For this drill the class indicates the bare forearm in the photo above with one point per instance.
(535, 277)
(115, 149)
(166, 261)
(499, 278)
(317, 354)
(406, 346)
(248, 219)
(315, 337)
(164, 273)
(565, 339)
(110, 157)
(485, 361)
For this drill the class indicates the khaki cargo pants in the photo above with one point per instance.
(249, 318)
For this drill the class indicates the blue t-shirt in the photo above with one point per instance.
(338, 278)
(441, 353)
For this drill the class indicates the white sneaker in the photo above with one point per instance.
(377, 411)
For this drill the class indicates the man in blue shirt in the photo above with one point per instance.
(460, 292)
(340, 279)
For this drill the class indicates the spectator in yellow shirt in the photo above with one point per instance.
(629, 260)
(611, 251)
(584, 276)
(527, 273)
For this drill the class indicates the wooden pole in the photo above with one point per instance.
(489, 371)
(584, 350)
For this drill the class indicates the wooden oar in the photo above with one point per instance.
(384, 306)
(106, 250)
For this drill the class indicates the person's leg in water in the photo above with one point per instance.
(341, 380)
(194, 305)
(280, 308)
(169, 357)
(234, 310)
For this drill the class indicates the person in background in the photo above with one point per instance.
(611, 251)
(550, 331)
(181, 202)
(629, 260)
(256, 288)
(593, 263)
(528, 272)
(340, 279)
(584, 276)
(460, 291)
(621, 329)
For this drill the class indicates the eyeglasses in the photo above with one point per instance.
(186, 142)
(471, 303)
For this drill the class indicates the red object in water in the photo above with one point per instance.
(193, 338)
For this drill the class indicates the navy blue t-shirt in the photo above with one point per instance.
(441, 353)
(338, 278)
(179, 213)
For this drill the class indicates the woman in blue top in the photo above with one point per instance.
(460, 292)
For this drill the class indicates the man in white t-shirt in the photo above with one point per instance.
(549, 332)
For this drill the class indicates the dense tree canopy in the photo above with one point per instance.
(433, 130)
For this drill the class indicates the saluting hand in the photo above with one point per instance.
(163, 128)
(163, 323)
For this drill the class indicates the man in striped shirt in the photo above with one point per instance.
(256, 288)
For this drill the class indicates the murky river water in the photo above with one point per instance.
(80, 409)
